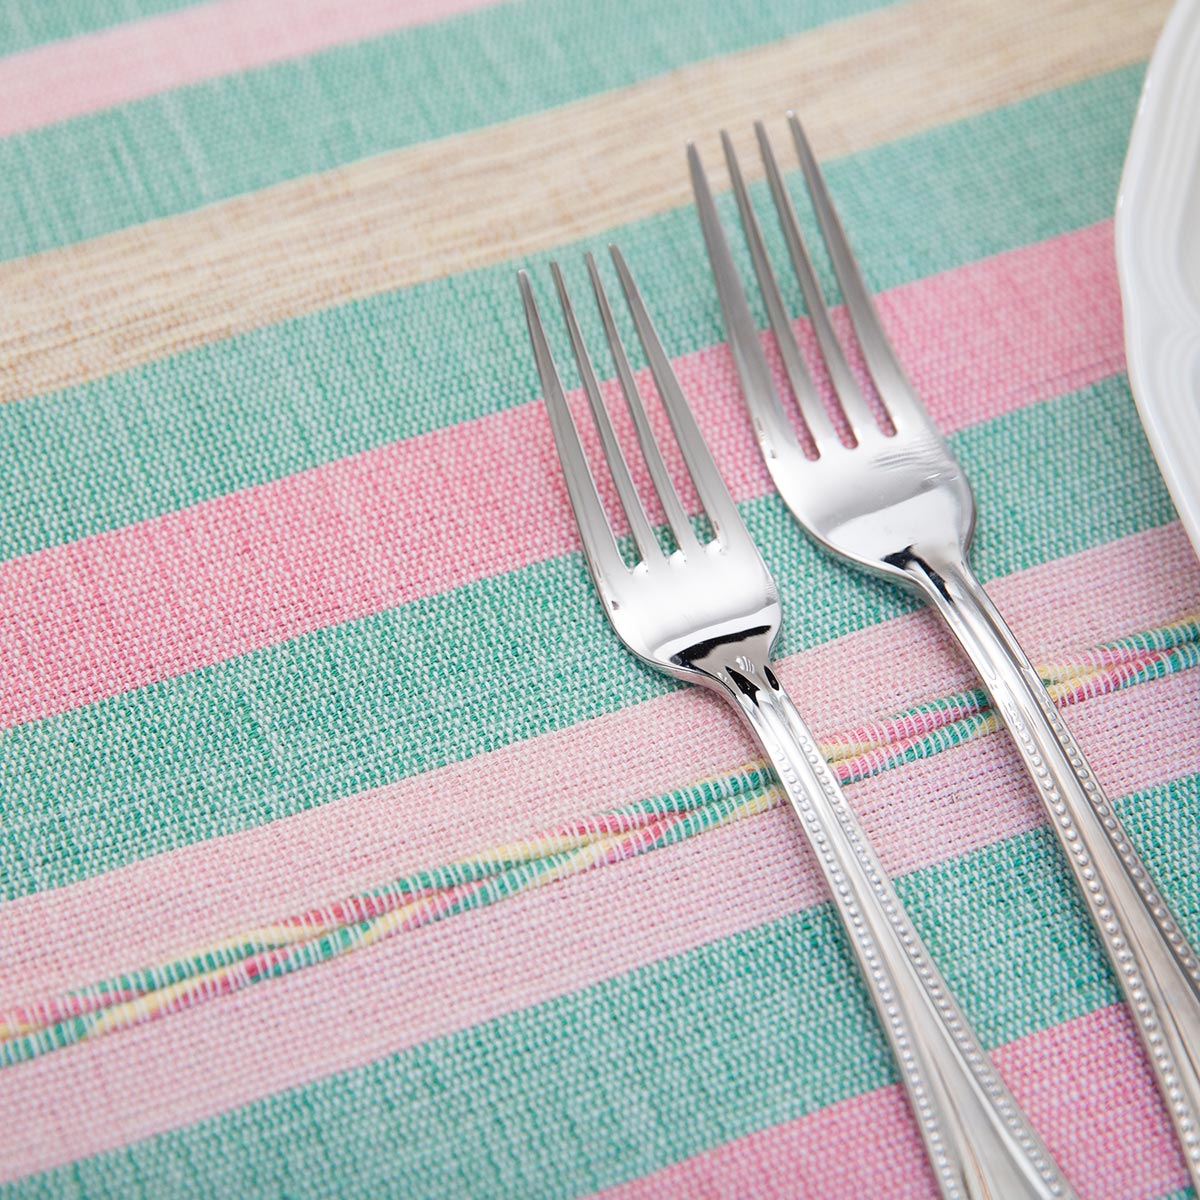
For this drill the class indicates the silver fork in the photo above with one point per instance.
(899, 505)
(708, 613)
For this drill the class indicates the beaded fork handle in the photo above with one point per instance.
(978, 1141)
(1155, 965)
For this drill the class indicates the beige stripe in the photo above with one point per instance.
(497, 193)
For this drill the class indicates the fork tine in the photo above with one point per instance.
(766, 409)
(811, 408)
(639, 524)
(681, 528)
(722, 512)
(854, 405)
(595, 533)
(891, 383)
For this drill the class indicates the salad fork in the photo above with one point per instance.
(708, 613)
(897, 503)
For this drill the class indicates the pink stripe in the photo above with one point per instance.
(640, 831)
(69, 78)
(124, 609)
(1111, 1138)
(152, 909)
(529, 949)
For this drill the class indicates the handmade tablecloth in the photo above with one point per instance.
(343, 849)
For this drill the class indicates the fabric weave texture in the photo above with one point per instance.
(343, 849)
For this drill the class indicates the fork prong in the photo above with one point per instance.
(639, 523)
(809, 403)
(771, 425)
(722, 512)
(891, 383)
(845, 386)
(595, 533)
(681, 528)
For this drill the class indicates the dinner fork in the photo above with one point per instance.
(707, 612)
(897, 503)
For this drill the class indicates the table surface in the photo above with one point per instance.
(343, 849)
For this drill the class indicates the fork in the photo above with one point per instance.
(708, 613)
(897, 503)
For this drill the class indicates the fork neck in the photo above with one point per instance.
(737, 663)
(947, 582)
(739, 667)
(940, 573)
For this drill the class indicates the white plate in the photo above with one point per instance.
(1158, 258)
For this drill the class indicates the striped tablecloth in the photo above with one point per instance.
(343, 850)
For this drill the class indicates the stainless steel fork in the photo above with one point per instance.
(898, 504)
(708, 613)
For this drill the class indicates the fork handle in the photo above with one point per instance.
(1157, 968)
(978, 1141)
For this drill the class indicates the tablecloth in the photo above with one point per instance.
(343, 849)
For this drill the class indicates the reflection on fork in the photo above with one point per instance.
(896, 503)
(708, 612)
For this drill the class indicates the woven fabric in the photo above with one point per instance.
(343, 849)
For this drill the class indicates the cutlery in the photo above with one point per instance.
(707, 612)
(897, 503)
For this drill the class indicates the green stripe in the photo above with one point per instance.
(27, 23)
(346, 708)
(227, 136)
(665, 1062)
(308, 391)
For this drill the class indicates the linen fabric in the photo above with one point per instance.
(343, 848)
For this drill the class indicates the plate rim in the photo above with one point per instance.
(1161, 322)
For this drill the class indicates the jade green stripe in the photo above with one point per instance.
(231, 135)
(27, 23)
(345, 708)
(294, 395)
(637, 1072)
